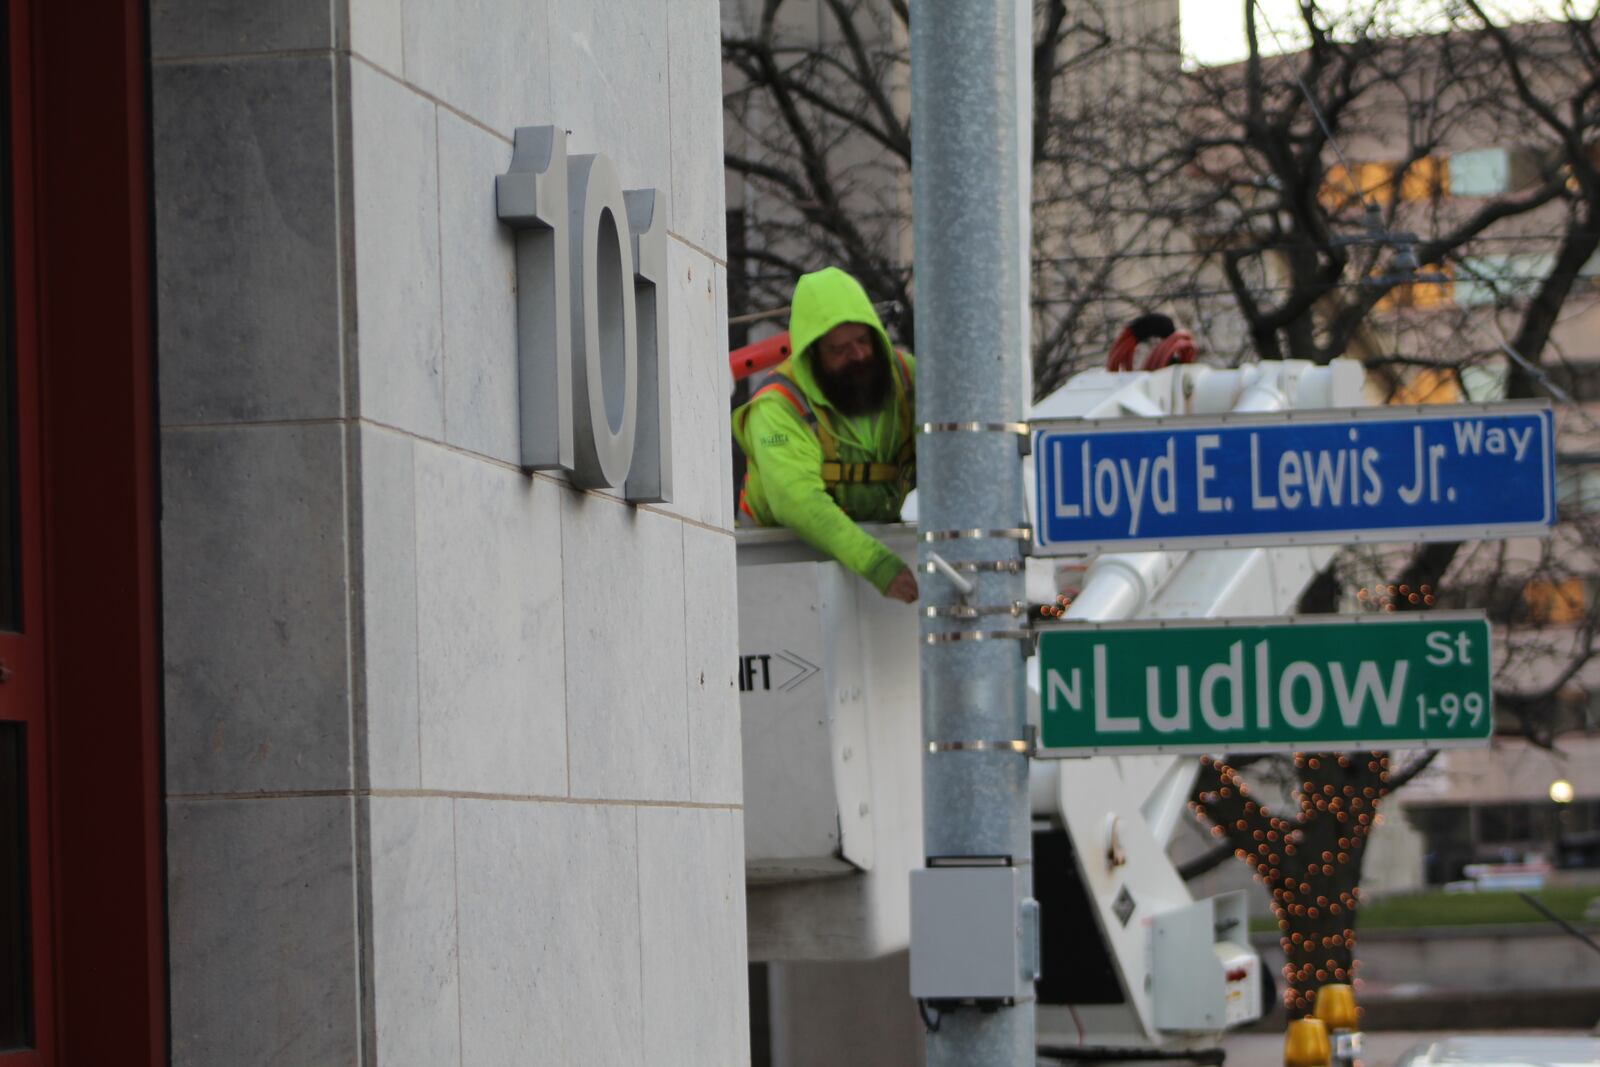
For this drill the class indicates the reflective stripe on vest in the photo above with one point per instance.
(835, 472)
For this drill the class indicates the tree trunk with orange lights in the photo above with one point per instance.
(1310, 861)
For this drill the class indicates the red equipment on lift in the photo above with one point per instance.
(763, 355)
(1176, 346)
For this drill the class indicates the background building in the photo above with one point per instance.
(1148, 171)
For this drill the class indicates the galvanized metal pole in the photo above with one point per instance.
(969, 222)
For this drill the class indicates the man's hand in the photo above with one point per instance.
(903, 587)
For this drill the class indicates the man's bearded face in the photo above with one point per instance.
(852, 373)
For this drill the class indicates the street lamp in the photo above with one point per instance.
(1561, 791)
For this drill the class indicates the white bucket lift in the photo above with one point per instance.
(832, 753)
(831, 727)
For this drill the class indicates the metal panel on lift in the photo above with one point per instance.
(833, 798)
(804, 722)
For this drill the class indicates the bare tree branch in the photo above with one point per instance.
(895, 135)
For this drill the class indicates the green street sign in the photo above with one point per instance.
(1305, 682)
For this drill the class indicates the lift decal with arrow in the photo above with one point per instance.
(756, 671)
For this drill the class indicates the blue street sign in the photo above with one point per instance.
(1433, 473)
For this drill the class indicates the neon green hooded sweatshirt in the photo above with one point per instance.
(784, 486)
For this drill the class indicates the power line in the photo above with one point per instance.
(1304, 89)
(1191, 294)
(1198, 254)
(1201, 255)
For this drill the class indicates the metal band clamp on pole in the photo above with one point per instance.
(1021, 430)
(969, 566)
(978, 635)
(1021, 747)
(1014, 533)
(1016, 609)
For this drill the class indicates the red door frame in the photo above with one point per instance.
(90, 258)
(22, 696)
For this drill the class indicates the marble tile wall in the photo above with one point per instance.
(452, 751)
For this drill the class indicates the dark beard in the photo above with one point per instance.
(858, 390)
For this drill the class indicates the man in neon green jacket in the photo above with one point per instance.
(830, 438)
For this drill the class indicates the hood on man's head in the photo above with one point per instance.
(827, 298)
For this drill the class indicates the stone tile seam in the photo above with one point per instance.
(327, 53)
(688, 671)
(339, 19)
(566, 653)
(455, 914)
(345, 214)
(338, 52)
(448, 794)
(707, 253)
(358, 421)
(567, 649)
(416, 603)
(438, 229)
(445, 105)
(355, 627)
(206, 59)
(402, 73)
(251, 424)
(366, 1023)
(638, 911)
(439, 102)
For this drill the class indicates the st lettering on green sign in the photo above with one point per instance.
(1305, 682)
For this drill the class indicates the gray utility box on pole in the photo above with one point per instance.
(969, 940)
(1206, 975)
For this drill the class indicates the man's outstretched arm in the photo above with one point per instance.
(789, 457)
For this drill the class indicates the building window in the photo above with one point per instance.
(1428, 386)
(1358, 183)
(1500, 279)
(1506, 832)
(1480, 172)
(1555, 603)
(1578, 489)
(1493, 171)
(1425, 179)
(1424, 295)
(1509, 824)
